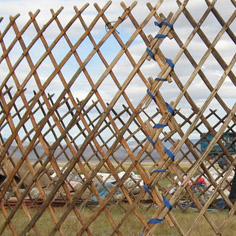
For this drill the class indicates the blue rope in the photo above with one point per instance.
(158, 24)
(158, 170)
(159, 125)
(151, 141)
(161, 79)
(170, 109)
(155, 221)
(147, 190)
(162, 23)
(170, 63)
(152, 221)
(151, 95)
(169, 153)
(168, 23)
(150, 53)
(167, 203)
(160, 36)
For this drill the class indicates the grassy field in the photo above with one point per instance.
(132, 226)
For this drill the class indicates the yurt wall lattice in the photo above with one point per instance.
(124, 130)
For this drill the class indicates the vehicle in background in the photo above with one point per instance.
(228, 139)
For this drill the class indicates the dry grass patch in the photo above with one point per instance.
(132, 226)
(146, 165)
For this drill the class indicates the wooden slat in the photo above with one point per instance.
(42, 116)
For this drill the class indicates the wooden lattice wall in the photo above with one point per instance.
(77, 102)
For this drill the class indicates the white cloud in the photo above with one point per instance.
(150, 68)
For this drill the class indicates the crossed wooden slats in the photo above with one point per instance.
(80, 114)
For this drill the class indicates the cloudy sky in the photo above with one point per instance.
(183, 69)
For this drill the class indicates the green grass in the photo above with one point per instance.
(131, 226)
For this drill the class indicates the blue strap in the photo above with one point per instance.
(152, 221)
(155, 221)
(169, 153)
(161, 79)
(150, 53)
(159, 125)
(170, 63)
(151, 95)
(163, 22)
(158, 24)
(170, 109)
(158, 170)
(168, 23)
(151, 141)
(147, 190)
(160, 36)
(167, 203)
